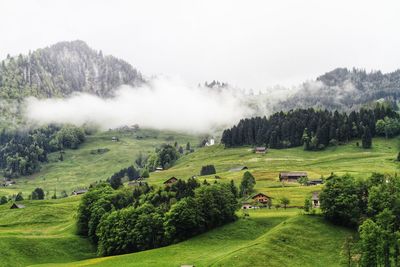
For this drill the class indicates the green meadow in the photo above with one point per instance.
(80, 167)
(265, 238)
(44, 231)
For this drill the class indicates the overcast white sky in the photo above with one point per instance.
(251, 44)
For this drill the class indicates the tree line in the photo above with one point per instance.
(22, 152)
(314, 129)
(128, 220)
(373, 207)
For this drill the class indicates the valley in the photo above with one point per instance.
(49, 225)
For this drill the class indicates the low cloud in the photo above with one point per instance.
(162, 104)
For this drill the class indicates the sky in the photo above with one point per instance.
(250, 44)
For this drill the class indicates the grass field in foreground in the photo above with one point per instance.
(44, 231)
(266, 238)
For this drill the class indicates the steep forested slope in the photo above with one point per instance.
(64, 68)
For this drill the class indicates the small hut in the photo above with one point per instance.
(17, 206)
(171, 181)
(315, 199)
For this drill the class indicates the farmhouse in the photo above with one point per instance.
(260, 150)
(238, 169)
(79, 192)
(171, 181)
(315, 199)
(261, 198)
(114, 139)
(291, 176)
(17, 206)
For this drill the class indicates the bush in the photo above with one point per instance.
(207, 170)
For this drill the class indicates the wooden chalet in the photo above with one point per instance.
(171, 181)
(17, 206)
(260, 150)
(291, 176)
(261, 198)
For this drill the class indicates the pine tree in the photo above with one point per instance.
(366, 138)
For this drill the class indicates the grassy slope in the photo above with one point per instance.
(80, 167)
(266, 167)
(44, 231)
(267, 238)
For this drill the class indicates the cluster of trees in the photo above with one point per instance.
(131, 172)
(388, 127)
(208, 170)
(372, 205)
(125, 220)
(314, 129)
(21, 152)
(247, 184)
(164, 157)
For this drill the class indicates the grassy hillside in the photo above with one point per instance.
(44, 231)
(275, 238)
(80, 167)
(348, 158)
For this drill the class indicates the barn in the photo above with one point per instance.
(291, 176)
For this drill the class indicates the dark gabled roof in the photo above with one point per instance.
(294, 174)
(172, 179)
(262, 194)
(239, 168)
(17, 206)
(81, 191)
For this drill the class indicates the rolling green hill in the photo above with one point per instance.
(44, 231)
(80, 167)
(275, 238)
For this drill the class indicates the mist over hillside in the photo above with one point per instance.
(69, 82)
(343, 89)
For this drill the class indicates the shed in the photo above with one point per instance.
(171, 181)
(315, 182)
(238, 169)
(79, 192)
(260, 150)
(17, 206)
(315, 199)
(291, 176)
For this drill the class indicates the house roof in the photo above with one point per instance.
(18, 206)
(81, 191)
(260, 148)
(294, 174)
(315, 196)
(172, 179)
(239, 168)
(260, 194)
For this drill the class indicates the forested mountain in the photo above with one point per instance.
(62, 69)
(343, 89)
